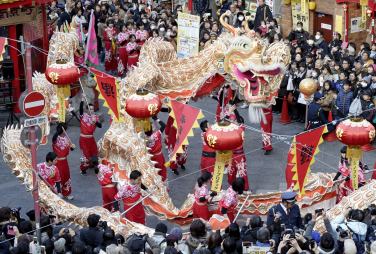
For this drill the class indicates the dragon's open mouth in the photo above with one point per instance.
(252, 78)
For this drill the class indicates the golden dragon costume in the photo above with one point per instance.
(239, 58)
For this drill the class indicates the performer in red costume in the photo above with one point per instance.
(345, 187)
(200, 206)
(88, 123)
(266, 128)
(239, 161)
(225, 95)
(133, 50)
(131, 194)
(154, 143)
(229, 201)
(122, 40)
(61, 145)
(109, 190)
(170, 141)
(208, 154)
(49, 172)
(109, 35)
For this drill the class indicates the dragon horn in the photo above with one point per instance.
(227, 25)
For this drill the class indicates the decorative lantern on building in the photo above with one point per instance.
(312, 5)
(62, 74)
(223, 137)
(308, 87)
(354, 133)
(142, 105)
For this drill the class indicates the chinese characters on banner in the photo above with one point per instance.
(306, 147)
(300, 13)
(354, 155)
(185, 119)
(188, 35)
(221, 160)
(108, 89)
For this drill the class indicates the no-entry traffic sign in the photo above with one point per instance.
(33, 104)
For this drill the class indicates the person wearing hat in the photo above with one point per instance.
(286, 212)
(316, 116)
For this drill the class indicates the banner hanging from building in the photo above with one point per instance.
(306, 147)
(188, 35)
(185, 119)
(108, 89)
(300, 13)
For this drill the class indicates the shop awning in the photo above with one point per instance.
(5, 4)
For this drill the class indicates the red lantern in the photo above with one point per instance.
(223, 137)
(355, 132)
(62, 73)
(142, 106)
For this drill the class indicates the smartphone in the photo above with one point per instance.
(319, 212)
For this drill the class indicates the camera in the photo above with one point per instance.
(342, 233)
(319, 212)
(102, 224)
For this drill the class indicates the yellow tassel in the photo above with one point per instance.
(354, 153)
(221, 159)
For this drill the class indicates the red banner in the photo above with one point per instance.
(185, 119)
(107, 86)
(306, 147)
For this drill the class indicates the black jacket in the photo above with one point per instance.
(64, 17)
(262, 13)
(91, 236)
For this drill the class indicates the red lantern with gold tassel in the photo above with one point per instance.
(223, 137)
(62, 73)
(354, 133)
(142, 105)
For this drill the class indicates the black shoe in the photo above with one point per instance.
(83, 172)
(175, 172)
(182, 167)
(268, 152)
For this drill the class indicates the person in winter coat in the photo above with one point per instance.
(329, 97)
(368, 107)
(352, 223)
(343, 101)
(263, 13)
(249, 232)
(197, 237)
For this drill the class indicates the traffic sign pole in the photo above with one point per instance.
(33, 147)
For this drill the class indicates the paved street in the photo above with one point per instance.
(266, 173)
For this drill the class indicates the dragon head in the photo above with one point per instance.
(257, 68)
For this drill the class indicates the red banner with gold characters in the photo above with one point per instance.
(108, 88)
(306, 147)
(185, 119)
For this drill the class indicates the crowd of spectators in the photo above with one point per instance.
(351, 233)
